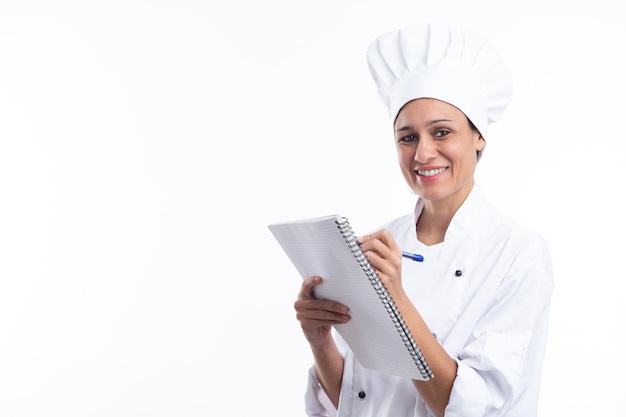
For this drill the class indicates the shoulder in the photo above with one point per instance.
(515, 234)
(522, 251)
(515, 246)
(493, 224)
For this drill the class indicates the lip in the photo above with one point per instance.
(433, 174)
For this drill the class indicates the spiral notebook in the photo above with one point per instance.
(378, 336)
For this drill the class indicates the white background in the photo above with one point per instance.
(146, 145)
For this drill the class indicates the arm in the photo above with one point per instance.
(500, 362)
(435, 392)
(385, 256)
(499, 367)
(316, 319)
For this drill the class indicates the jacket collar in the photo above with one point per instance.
(462, 239)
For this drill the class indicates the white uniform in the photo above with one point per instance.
(500, 339)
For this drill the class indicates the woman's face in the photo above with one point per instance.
(437, 150)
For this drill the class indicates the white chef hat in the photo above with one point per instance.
(447, 63)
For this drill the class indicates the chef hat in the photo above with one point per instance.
(445, 63)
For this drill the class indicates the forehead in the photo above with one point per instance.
(424, 110)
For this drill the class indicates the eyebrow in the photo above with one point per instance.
(429, 123)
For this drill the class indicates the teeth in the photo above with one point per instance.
(430, 172)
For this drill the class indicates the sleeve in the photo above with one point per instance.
(500, 365)
(364, 392)
(317, 403)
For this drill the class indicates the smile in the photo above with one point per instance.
(430, 172)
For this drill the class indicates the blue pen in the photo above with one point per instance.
(413, 256)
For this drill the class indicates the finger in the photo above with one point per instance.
(364, 238)
(383, 245)
(312, 318)
(315, 318)
(383, 236)
(377, 252)
(314, 304)
(308, 285)
(307, 301)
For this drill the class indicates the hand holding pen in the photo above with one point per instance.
(409, 255)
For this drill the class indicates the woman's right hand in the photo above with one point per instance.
(317, 316)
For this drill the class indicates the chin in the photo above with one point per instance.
(431, 193)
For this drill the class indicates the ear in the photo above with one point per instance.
(480, 143)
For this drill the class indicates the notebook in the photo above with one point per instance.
(378, 336)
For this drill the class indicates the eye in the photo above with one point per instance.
(442, 133)
(408, 139)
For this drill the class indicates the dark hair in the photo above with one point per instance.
(475, 129)
(471, 124)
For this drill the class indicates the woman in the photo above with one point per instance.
(478, 307)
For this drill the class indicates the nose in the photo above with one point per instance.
(424, 151)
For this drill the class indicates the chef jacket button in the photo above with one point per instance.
(361, 395)
(458, 273)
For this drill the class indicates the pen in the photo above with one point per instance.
(413, 256)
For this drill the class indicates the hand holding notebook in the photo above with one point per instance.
(327, 247)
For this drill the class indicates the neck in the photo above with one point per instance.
(436, 216)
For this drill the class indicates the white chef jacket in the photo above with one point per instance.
(503, 334)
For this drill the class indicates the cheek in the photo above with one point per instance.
(405, 155)
(462, 151)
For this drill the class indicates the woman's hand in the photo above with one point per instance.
(317, 316)
(385, 256)
(316, 319)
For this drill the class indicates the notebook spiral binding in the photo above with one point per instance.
(390, 306)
